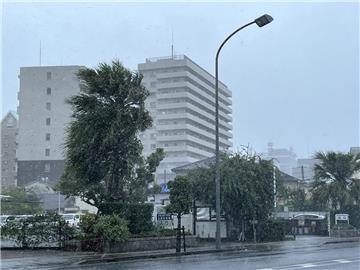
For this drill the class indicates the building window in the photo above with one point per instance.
(10, 123)
(47, 167)
(153, 146)
(47, 137)
(48, 106)
(48, 91)
(48, 75)
(47, 152)
(48, 121)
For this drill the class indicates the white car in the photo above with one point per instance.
(3, 219)
(72, 219)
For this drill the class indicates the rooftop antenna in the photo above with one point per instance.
(172, 43)
(40, 54)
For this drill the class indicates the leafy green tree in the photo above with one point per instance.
(246, 187)
(145, 176)
(180, 202)
(335, 183)
(19, 202)
(104, 160)
(297, 200)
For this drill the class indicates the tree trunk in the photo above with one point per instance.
(178, 234)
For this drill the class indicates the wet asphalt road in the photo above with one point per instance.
(333, 256)
(304, 253)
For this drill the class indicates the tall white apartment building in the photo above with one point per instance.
(182, 105)
(43, 117)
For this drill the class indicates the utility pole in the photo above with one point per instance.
(274, 183)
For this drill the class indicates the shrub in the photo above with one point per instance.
(139, 216)
(343, 226)
(103, 227)
(268, 230)
(86, 226)
(112, 228)
(31, 231)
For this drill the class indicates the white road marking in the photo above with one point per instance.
(307, 265)
(342, 261)
(316, 264)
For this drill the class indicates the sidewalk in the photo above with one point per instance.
(209, 247)
(35, 259)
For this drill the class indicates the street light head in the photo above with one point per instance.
(263, 20)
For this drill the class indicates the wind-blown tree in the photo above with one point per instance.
(335, 182)
(104, 161)
(145, 175)
(297, 200)
(246, 188)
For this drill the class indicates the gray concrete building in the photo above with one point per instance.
(9, 131)
(43, 116)
(182, 105)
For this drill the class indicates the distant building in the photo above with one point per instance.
(292, 182)
(51, 200)
(285, 159)
(182, 105)
(43, 116)
(305, 169)
(9, 131)
(355, 150)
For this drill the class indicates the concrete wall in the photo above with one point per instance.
(345, 233)
(151, 243)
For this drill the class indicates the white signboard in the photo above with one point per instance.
(342, 217)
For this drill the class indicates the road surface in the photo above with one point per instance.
(304, 253)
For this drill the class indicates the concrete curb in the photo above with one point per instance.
(342, 240)
(119, 257)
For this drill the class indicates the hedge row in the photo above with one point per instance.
(139, 216)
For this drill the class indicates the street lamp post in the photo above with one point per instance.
(261, 21)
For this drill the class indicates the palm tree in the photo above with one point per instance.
(335, 178)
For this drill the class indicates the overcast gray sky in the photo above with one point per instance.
(295, 82)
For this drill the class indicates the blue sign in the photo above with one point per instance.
(164, 188)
